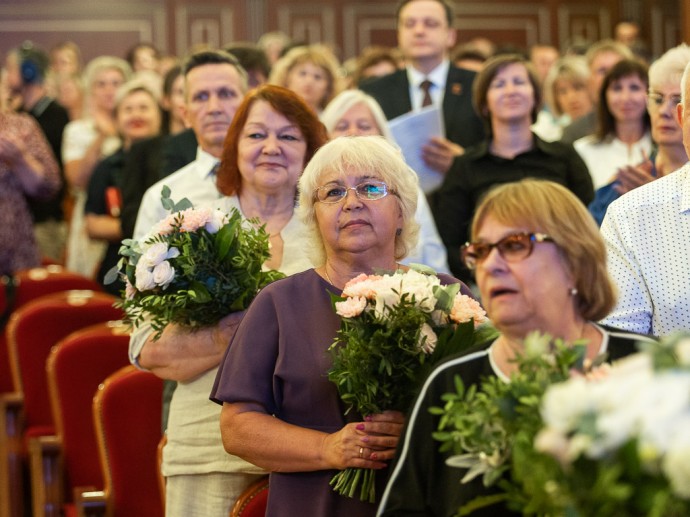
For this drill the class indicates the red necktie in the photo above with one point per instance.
(426, 85)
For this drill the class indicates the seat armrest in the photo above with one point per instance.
(45, 467)
(90, 502)
(11, 430)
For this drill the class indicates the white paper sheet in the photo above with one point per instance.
(413, 130)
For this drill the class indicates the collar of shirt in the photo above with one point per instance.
(438, 77)
(684, 188)
(205, 163)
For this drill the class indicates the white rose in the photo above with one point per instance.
(429, 344)
(422, 288)
(173, 253)
(564, 404)
(683, 351)
(143, 277)
(676, 466)
(163, 274)
(154, 254)
(216, 222)
(553, 443)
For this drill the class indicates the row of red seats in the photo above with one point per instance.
(84, 423)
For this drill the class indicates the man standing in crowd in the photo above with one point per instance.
(647, 235)
(195, 464)
(601, 57)
(425, 37)
(26, 73)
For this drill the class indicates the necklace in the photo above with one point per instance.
(328, 277)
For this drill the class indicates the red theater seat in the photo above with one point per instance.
(127, 415)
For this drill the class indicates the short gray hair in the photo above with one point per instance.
(344, 101)
(361, 153)
(684, 85)
(669, 67)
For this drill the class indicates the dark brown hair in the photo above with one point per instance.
(606, 123)
(291, 106)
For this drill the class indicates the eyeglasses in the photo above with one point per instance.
(656, 99)
(513, 248)
(369, 190)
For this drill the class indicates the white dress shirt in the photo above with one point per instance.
(194, 181)
(647, 235)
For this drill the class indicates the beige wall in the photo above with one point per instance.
(110, 27)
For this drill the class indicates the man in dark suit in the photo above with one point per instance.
(425, 35)
(147, 162)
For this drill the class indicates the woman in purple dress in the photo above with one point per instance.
(27, 169)
(358, 199)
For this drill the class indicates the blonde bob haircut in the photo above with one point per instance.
(365, 155)
(545, 206)
(572, 69)
(319, 55)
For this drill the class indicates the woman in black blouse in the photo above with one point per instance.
(506, 95)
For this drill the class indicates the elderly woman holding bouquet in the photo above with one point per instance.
(272, 136)
(280, 411)
(540, 265)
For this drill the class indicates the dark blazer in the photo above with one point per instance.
(147, 162)
(463, 126)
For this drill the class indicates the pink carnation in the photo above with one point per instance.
(165, 226)
(362, 285)
(195, 218)
(351, 307)
(466, 309)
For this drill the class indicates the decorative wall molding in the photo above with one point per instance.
(175, 26)
(307, 22)
(588, 22)
(203, 24)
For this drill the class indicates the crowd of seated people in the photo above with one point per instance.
(89, 145)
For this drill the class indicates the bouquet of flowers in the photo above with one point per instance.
(554, 441)
(194, 268)
(394, 328)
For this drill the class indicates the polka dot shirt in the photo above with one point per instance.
(647, 235)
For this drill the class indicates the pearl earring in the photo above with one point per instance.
(573, 291)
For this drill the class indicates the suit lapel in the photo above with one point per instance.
(400, 94)
(455, 91)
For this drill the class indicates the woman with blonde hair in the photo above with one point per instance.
(355, 113)
(86, 142)
(566, 97)
(280, 412)
(540, 265)
(312, 72)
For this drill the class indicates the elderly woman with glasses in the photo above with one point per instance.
(280, 411)
(540, 265)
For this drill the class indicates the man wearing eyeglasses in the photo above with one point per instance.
(669, 155)
(647, 235)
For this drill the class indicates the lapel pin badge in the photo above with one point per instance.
(456, 88)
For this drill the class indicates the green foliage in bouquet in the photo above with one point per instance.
(551, 442)
(490, 425)
(194, 268)
(394, 328)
